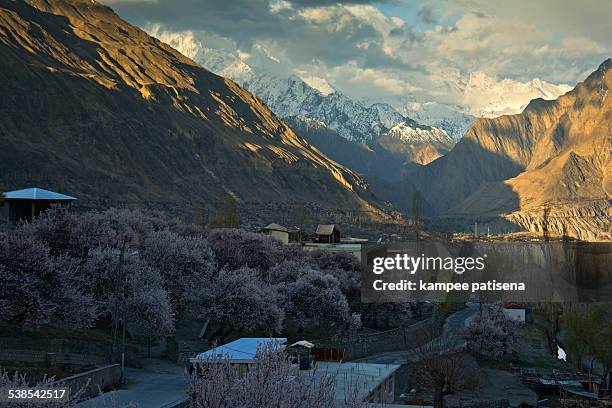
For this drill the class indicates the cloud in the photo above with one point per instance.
(185, 42)
(362, 47)
(427, 14)
(320, 3)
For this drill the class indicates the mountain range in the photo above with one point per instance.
(95, 107)
(293, 96)
(376, 127)
(547, 168)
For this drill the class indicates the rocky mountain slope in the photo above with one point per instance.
(293, 96)
(416, 143)
(96, 108)
(546, 168)
(368, 159)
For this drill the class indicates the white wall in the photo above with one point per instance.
(515, 314)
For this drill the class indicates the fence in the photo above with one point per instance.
(184, 403)
(91, 383)
(502, 403)
(401, 338)
(48, 359)
(49, 351)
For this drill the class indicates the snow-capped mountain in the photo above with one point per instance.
(295, 96)
(438, 115)
(473, 95)
(481, 96)
(486, 97)
(414, 134)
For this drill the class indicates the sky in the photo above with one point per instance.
(393, 48)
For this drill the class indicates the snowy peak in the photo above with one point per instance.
(420, 134)
(486, 97)
(225, 64)
(450, 119)
(311, 97)
(320, 84)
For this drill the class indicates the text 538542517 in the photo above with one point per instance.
(34, 394)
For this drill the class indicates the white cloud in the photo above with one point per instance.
(278, 6)
(185, 42)
(363, 52)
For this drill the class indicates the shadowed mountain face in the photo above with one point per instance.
(95, 107)
(389, 157)
(547, 168)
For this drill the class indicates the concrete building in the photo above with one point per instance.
(374, 383)
(240, 353)
(366, 382)
(515, 311)
(28, 203)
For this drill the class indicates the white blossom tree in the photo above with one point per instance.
(270, 382)
(129, 291)
(37, 288)
(491, 332)
(17, 380)
(187, 264)
(315, 295)
(239, 300)
(236, 248)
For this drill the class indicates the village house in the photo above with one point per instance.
(240, 353)
(327, 234)
(516, 311)
(27, 204)
(373, 383)
(283, 234)
(327, 237)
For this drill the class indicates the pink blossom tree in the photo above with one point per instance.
(129, 291)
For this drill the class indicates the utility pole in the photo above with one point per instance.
(121, 280)
(476, 229)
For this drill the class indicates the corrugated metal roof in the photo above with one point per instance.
(326, 229)
(36, 193)
(243, 349)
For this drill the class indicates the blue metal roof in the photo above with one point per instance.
(36, 194)
(242, 350)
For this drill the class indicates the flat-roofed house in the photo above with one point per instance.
(239, 353)
(327, 234)
(371, 383)
(515, 311)
(28, 203)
